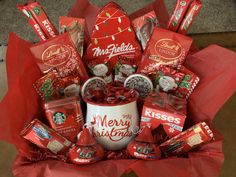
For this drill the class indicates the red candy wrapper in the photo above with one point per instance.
(113, 36)
(101, 69)
(59, 52)
(75, 26)
(189, 17)
(187, 140)
(123, 69)
(87, 150)
(164, 48)
(47, 86)
(177, 16)
(65, 116)
(46, 138)
(165, 110)
(39, 15)
(143, 147)
(144, 27)
(167, 79)
(70, 86)
(33, 23)
(188, 83)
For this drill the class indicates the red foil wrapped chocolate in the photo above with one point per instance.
(188, 83)
(87, 150)
(189, 17)
(187, 140)
(75, 26)
(47, 86)
(178, 13)
(65, 116)
(113, 36)
(161, 109)
(166, 79)
(143, 146)
(39, 15)
(33, 23)
(144, 27)
(164, 48)
(45, 138)
(59, 53)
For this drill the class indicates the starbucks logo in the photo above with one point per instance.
(59, 117)
(37, 11)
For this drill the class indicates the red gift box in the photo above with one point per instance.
(214, 65)
(164, 109)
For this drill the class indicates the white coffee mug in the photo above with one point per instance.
(113, 123)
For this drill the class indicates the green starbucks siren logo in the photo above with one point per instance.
(59, 117)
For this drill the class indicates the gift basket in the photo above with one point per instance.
(111, 93)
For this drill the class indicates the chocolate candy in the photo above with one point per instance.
(166, 79)
(92, 85)
(75, 26)
(65, 116)
(87, 150)
(35, 11)
(60, 53)
(164, 48)
(188, 83)
(139, 82)
(187, 140)
(189, 17)
(144, 27)
(178, 13)
(47, 86)
(143, 146)
(69, 86)
(46, 138)
(33, 23)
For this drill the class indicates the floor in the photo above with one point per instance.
(215, 16)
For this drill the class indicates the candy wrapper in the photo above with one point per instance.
(164, 48)
(143, 146)
(38, 18)
(178, 13)
(59, 52)
(75, 26)
(101, 69)
(188, 83)
(123, 69)
(65, 116)
(165, 110)
(47, 86)
(187, 140)
(189, 17)
(113, 36)
(45, 138)
(166, 79)
(69, 86)
(87, 150)
(144, 27)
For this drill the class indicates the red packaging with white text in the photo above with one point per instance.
(65, 116)
(187, 140)
(75, 26)
(42, 19)
(33, 23)
(45, 138)
(165, 110)
(177, 16)
(59, 53)
(164, 48)
(113, 36)
(144, 27)
(189, 17)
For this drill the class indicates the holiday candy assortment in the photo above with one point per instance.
(125, 96)
(118, 92)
